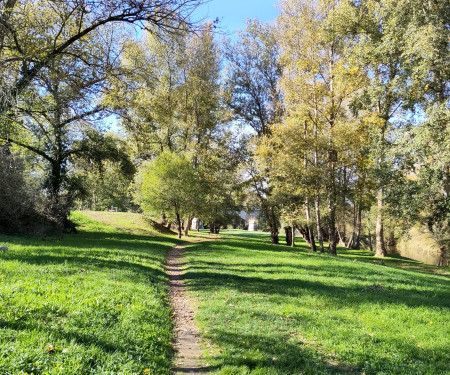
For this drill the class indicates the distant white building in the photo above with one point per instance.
(250, 219)
(196, 224)
(252, 225)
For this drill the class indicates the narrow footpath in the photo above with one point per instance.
(187, 337)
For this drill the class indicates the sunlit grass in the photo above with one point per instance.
(268, 309)
(91, 303)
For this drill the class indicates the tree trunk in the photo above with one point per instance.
(273, 227)
(380, 250)
(311, 242)
(332, 157)
(358, 234)
(351, 240)
(370, 241)
(288, 231)
(187, 226)
(318, 223)
(312, 239)
(178, 224)
(332, 227)
(341, 236)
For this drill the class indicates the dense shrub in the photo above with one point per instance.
(19, 204)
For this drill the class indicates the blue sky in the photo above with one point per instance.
(233, 13)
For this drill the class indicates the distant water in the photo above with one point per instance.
(433, 258)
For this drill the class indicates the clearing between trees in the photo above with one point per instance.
(98, 303)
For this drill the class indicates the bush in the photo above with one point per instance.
(18, 202)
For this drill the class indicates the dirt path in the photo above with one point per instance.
(187, 344)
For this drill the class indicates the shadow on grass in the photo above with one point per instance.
(348, 295)
(278, 353)
(126, 346)
(121, 268)
(240, 266)
(96, 251)
(359, 287)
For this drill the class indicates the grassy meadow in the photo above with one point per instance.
(267, 309)
(97, 303)
(91, 303)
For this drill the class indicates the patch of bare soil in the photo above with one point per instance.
(187, 341)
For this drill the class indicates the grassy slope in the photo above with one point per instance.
(275, 310)
(91, 303)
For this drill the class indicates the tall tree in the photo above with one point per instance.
(318, 82)
(253, 70)
(379, 50)
(147, 94)
(168, 184)
(58, 118)
(423, 152)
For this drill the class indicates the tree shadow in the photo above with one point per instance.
(96, 328)
(279, 353)
(237, 268)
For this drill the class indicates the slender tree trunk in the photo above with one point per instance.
(370, 241)
(317, 197)
(341, 236)
(312, 243)
(351, 240)
(273, 227)
(380, 250)
(332, 159)
(358, 233)
(293, 235)
(332, 204)
(332, 227)
(318, 223)
(178, 223)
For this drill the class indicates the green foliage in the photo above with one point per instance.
(275, 310)
(253, 70)
(33, 35)
(168, 184)
(19, 202)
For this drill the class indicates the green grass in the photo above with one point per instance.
(91, 303)
(96, 303)
(267, 309)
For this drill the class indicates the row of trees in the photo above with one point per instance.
(365, 128)
(347, 102)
